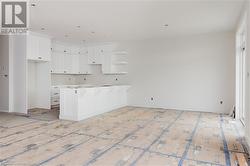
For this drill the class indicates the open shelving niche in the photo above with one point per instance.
(116, 63)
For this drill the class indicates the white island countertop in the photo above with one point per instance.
(84, 101)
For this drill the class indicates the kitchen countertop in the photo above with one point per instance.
(89, 86)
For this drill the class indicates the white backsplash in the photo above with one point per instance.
(63, 79)
(97, 78)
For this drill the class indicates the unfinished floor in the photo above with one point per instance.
(128, 136)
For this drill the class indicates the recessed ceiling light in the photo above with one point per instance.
(33, 4)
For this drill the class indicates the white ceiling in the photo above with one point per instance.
(132, 20)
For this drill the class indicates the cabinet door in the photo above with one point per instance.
(67, 50)
(83, 50)
(57, 47)
(44, 49)
(98, 54)
(67, 65)
(74, 50)
(84, 67)
(107, 59)
(75, 64)
(90, 55)
(57, 61)
(107, 64)
(32, 47)
(95, 55)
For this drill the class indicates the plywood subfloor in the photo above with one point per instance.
(128, 136)
(43, 114)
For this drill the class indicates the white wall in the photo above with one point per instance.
(18, 74)
(188, 73)
(4, 70)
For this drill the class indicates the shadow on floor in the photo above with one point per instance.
(43, 114)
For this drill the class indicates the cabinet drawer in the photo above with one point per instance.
(55, 89)
(55, 102)
(55, 98)
(55, 94)
(57, 47)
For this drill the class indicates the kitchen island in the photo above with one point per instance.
(81, 102)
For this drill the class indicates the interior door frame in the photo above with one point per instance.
(241, 72)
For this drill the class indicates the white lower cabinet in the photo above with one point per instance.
(55, 96)
(81, 103)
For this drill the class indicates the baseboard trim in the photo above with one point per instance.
(178, 109)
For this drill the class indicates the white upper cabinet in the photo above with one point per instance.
(67, 50)
(68, 63)
(44, 48)
(38, 48)
(83, 51)
(74, 50)
(76, 60)
(57, 62)
(95, 55)
(75, 64)
(57, 48)
(61, 48)
(69, 60)
(84, 67)
(32, 47)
